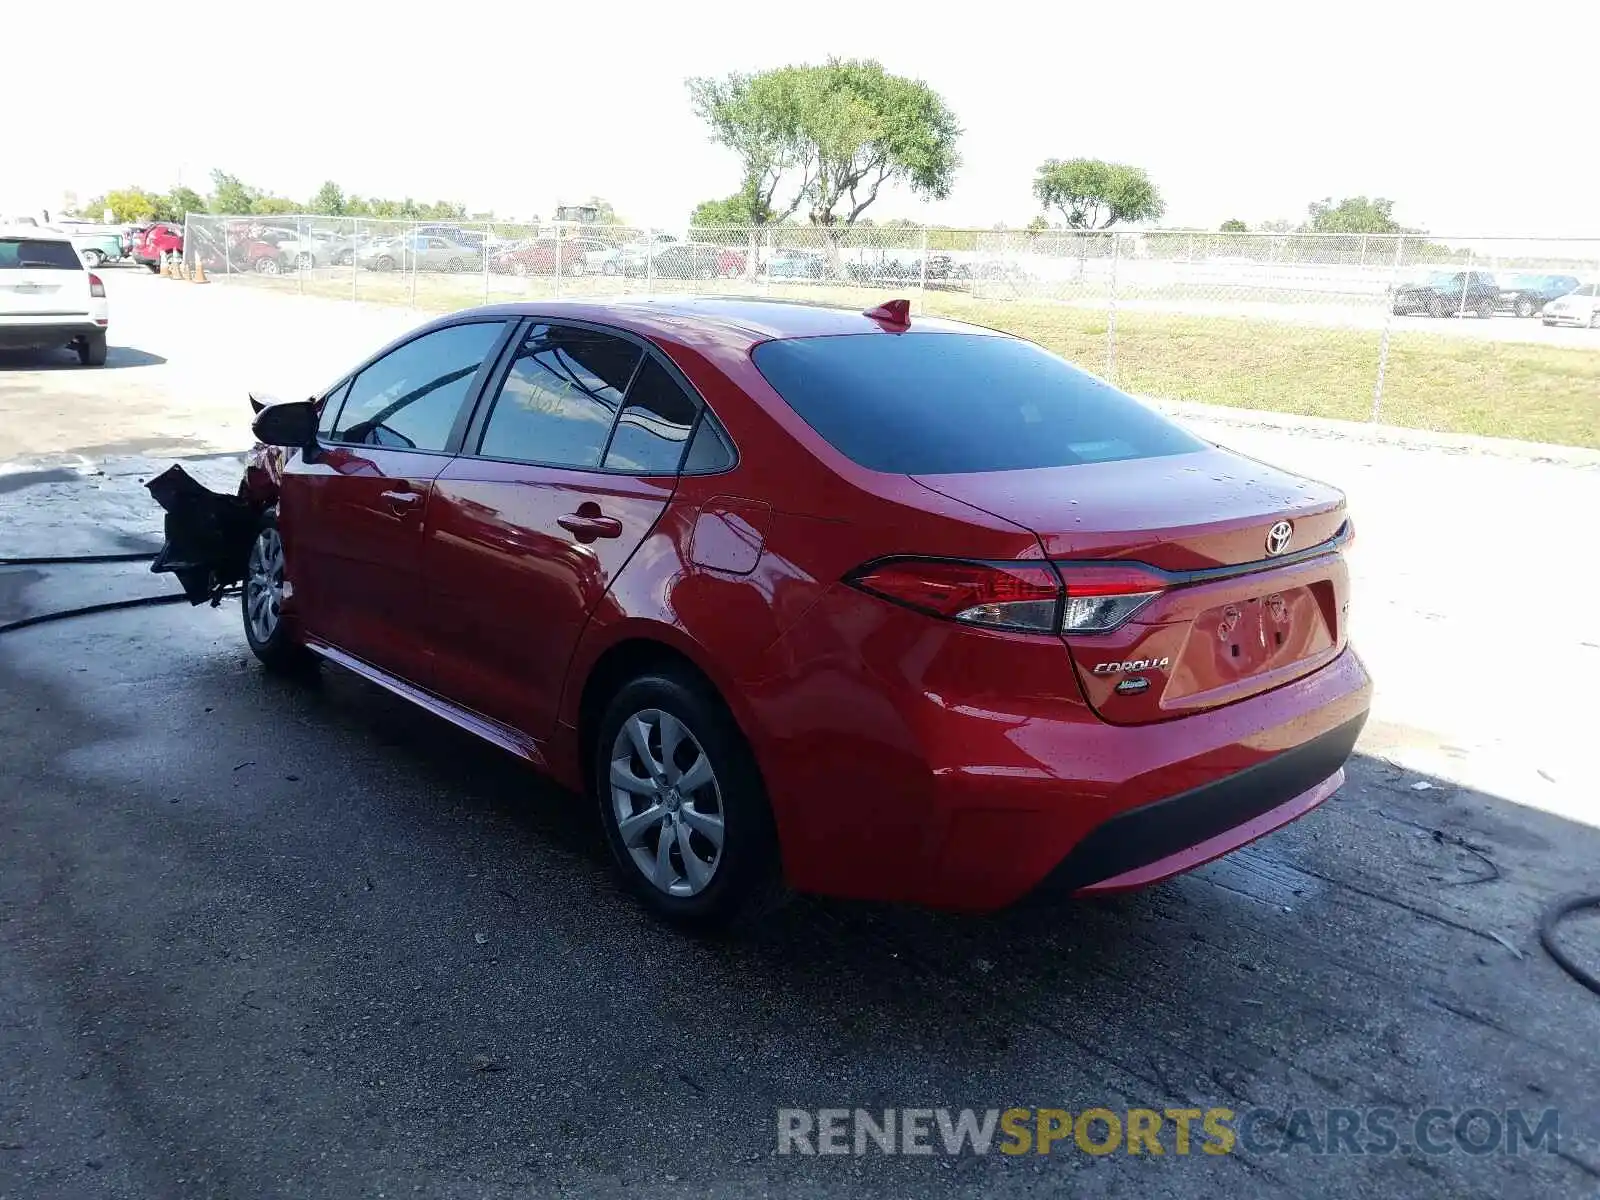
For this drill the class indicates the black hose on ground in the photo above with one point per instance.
(61, 559)
(88, 609)
(1553, 916)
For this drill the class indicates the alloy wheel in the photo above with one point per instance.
(263, 588)
(667, 803)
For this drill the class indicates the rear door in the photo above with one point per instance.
(566, 470)
(42, 282)
(353, 518)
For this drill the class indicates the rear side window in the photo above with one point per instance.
(19, 254)
(409, 398)
(653, 426)
(951, 403)
(560, 398)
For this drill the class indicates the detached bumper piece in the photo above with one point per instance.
(208, 535)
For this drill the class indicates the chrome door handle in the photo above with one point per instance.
(401, 502)
(586, 528)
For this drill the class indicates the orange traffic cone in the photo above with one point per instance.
(199, 275)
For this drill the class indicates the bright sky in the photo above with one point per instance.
(1475, 118)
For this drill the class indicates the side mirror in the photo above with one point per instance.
(292, 424)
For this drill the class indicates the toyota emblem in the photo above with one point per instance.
(1278, 538)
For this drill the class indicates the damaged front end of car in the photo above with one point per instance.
(209, 533)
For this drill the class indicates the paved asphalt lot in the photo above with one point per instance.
(266, 939)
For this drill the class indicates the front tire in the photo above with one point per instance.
(1485, 308)
(1525, 306)
(93, 259)
(92, 350)
(265, 266)
(682, 804)
(261, 604)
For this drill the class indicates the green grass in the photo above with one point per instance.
(1529, 391)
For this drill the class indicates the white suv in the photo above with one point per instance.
(47, 298)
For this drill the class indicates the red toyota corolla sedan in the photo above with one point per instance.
(858, 603)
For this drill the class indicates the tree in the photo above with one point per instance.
(329, 200)
(864, 128)
(268, 206)
(758, 118)
(1091, 194)
(178, 202)
(230, 195)
(128, 205)
(1354, 214)
(1234, 225)
(739, 209)
(830, 137)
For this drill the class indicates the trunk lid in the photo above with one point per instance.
(1229, 617)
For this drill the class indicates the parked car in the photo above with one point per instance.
(96, 249)
(1526, 295)
(797, 264)
(1581, 306)
(688, 260)
(422, 252)
(867, 605)
(48, 298)
(538, 257)
(159, 239)
(1447, 293)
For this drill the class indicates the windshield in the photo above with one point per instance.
(945, 403)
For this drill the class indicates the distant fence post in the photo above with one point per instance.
(488, 232)
(922, 285)
(765, 273)
(1466, 282)
(410, 236)
(558, 261)
(649, 259)
(1388, 321)
(355, 262)
(1111, 313)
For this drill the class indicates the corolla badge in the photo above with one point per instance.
(1137, 664)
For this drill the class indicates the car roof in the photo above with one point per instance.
(750, 319)
(34, 233)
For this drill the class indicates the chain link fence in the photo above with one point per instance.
(1410, 328)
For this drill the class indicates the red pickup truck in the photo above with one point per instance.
(159, 239)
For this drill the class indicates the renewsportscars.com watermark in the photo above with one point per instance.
(1180, 1131)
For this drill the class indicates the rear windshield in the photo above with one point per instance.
(20, 253)
(953, 403)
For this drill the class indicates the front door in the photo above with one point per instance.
(353, 517)
(529, 527)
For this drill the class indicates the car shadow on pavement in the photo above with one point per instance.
(64, 360)
(324, 894)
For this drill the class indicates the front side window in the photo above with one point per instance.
(560, 397)
(408, 399)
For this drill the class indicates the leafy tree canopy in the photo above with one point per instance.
(1091, 194)
(829, 138)
(1353, 214)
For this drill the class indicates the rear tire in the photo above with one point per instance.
(92, 350)
(722, 822)
(154, 268)
(261, 600)
(1525, 306)
(93, 259)
(1485, 308)
(1594, 320)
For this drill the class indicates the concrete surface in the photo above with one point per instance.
(259, 939)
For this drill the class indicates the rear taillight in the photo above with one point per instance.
(1101, 596)
(97, 287)
(1019, 596)
(1063, 597)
